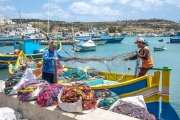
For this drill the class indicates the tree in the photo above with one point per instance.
(119, 29)
(112, 29)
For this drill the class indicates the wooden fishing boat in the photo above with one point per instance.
(159, 48)
(160, 40)
(31, 47)
(154, 88)
(2, 44)
(125, 85)
(82, 46)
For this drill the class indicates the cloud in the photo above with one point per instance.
(32, 15)
(173, 2)
(51, 6)
(82, 8)
(102, 2)
(123, 1)
(58, 1)
(7, 8)
(145, 5)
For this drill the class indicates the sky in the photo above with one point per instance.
(91, 10)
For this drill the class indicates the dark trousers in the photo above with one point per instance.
(143, 71)
(48, 77)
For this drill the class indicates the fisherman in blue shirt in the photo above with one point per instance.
(49, 56)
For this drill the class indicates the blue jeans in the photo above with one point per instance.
(48, 77)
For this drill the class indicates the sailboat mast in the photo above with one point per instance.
(20, 16)
(48, 18)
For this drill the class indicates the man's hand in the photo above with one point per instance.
(126, 59)
(72, 58)
(56, 59)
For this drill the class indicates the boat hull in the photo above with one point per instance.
(80, 48)
(11, 58)
(97, 41)
(161, 40)
(113, 40)
(148, 86)
(175, 40)
(158, 49)
(1, 45)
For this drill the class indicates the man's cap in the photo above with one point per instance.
(139, 40)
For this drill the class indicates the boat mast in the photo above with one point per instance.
(48, 24)
(20, 17)
(48, 19)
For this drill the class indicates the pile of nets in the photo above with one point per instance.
(11, 81)
(106, 98)
(30, 89)
(132, 110)
(75, 75)
(48, 96)
(72, 94)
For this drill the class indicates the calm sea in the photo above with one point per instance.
(169, 58)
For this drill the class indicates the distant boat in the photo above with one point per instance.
(110, 39)
(82, 46)
(160, 40)
(97, 41)
(175, 39)
(159, 48)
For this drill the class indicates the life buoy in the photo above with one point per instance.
(16, 51)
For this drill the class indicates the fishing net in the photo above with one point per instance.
(30, 89)
(72, 94)
(103, 60)
(106, 98)
(132, 110)
(11, 81)
(48, 96)
(75, 74)
(115, 63)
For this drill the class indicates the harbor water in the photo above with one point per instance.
(169, 57)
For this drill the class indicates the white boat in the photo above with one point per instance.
(82, 46)
(159, 48)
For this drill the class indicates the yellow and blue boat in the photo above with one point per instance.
(155, 91)
(30, 47)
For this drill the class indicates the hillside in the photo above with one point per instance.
(135, 26)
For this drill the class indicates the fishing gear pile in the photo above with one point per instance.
(132, 110)
(106, 98)
(30, 89)
(48, 96)
(75, 74)
(72, 94)
(11, 81)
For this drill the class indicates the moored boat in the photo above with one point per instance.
(160, 40)
(82, 46)
(175, 39)
(159, 48)
(110, 39)
(125, 85)
(30, 47)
